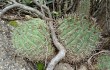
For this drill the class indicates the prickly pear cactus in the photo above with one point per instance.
(103, 62)
(32, 40)
(78, 36)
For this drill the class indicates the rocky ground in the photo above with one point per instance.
(8, 59)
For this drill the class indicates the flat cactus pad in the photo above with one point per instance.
(103, 62)
(32, 39)
(79, 37)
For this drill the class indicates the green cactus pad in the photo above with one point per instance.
(79, 37)
(32, 40)
(103, 62)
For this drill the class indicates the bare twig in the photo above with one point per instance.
(61, 1)
(23, 7)
(71, 5)
(7, 8)
(53, 4)
(43, 6)
(38, 4)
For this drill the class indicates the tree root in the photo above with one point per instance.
(59, 46)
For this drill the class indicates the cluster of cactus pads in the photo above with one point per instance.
(32, 39)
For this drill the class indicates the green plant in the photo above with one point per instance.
(103, 62)
(40, 66)
(13, 23)
(78, 36)
(32, 40)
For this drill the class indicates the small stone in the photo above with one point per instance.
(82, 67)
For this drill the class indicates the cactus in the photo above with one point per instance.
(78, 36)
(32, 40)
(102, 62)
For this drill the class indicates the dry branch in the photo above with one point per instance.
(43, 6)
(71, 5)
(59, 46)
(23, 7)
